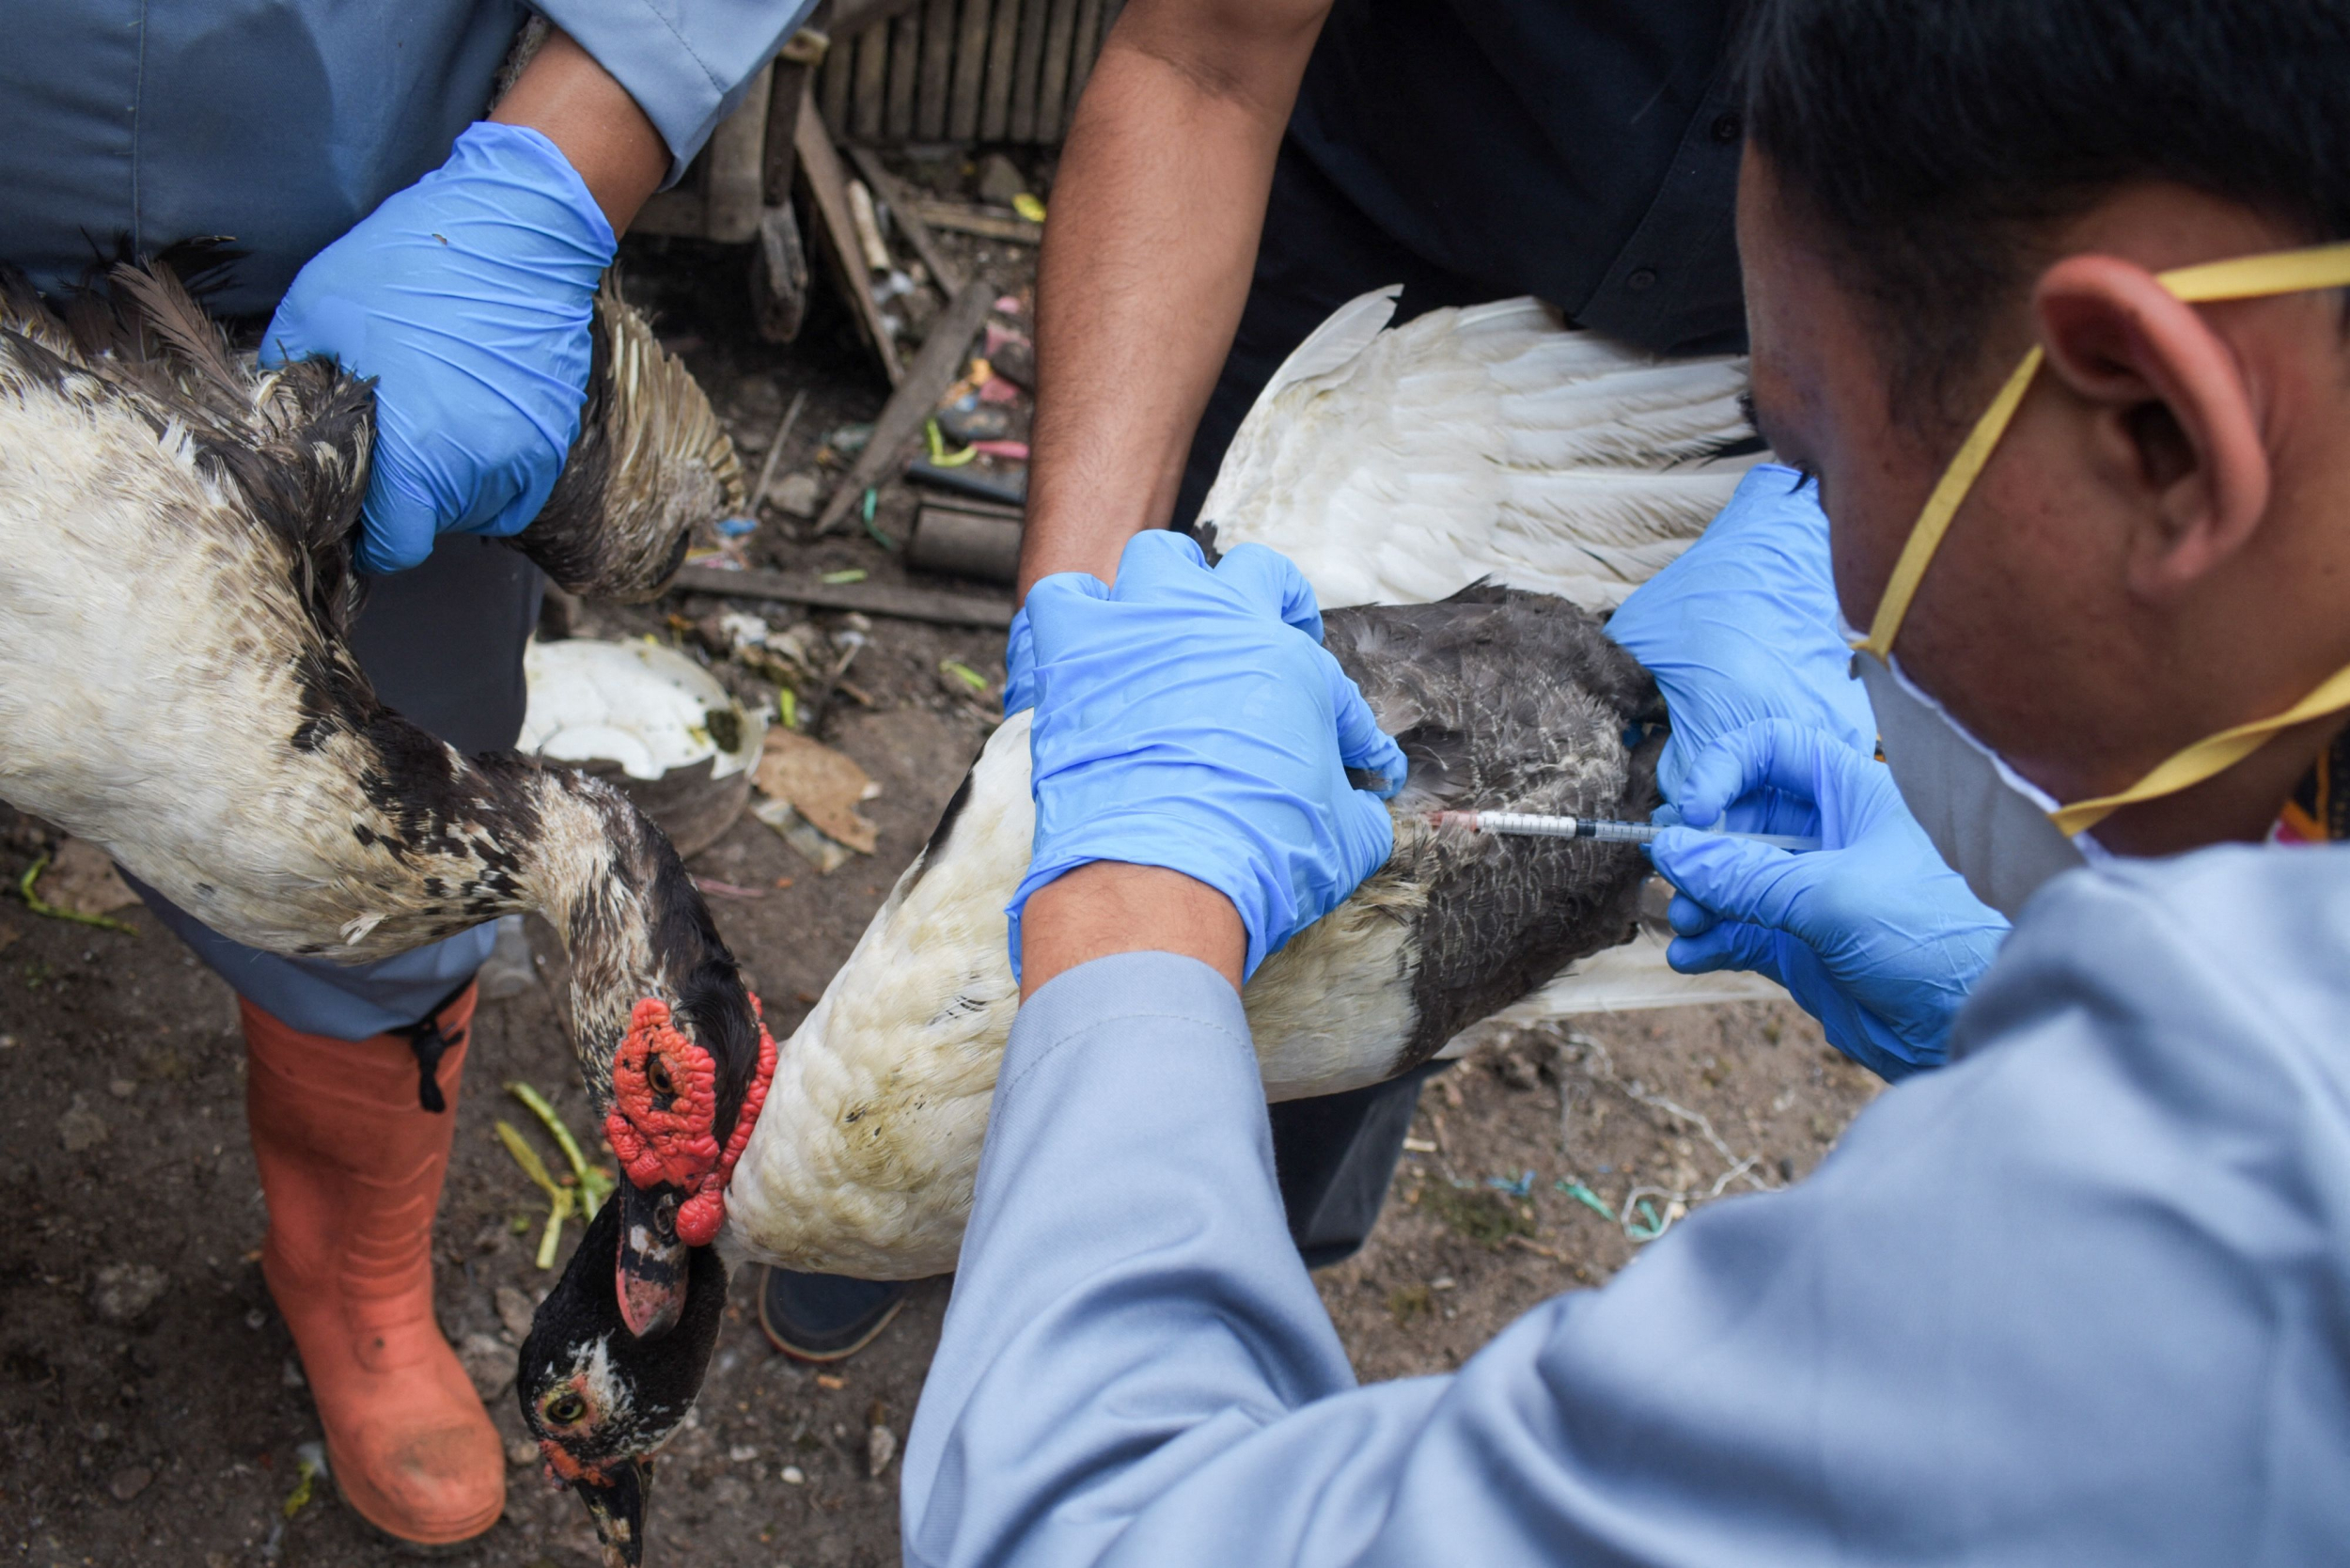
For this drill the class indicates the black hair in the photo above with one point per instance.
(1937, 143)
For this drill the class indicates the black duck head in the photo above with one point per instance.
(601, 1401)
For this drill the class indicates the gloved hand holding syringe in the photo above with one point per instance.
(1600, 830)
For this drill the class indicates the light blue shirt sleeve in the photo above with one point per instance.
(687, 62)
(2076, 1298)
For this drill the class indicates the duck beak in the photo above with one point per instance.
(652, 1269)
(618, 1506)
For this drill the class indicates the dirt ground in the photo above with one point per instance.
(150, 1407)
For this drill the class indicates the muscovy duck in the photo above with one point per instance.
(176, 686)
(863, 1159)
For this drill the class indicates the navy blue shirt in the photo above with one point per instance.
(1585, 151)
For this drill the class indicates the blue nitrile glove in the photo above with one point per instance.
(1191, 718)
(1872, 934)
(1744, 627)
(467, 297)
(1019, 665)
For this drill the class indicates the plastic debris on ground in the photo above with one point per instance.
(865, 515)
(310, 1464)
(1516, 1186)
(808, 785)
(940, 457)
(78, 882)
(824, 854)
(1585, 1197)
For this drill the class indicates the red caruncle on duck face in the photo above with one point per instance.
(663, 1121)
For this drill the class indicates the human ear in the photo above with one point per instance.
(2175, 430)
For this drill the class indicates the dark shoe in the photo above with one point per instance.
(825, 1317)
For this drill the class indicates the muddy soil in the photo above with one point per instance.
(151, 1410)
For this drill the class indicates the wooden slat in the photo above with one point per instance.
(873, 84)
(1083, 51)
(988, 223)
(898, 429)
(828, 189)
(996, 102)
(737, 160)
(854, 16)
(1060, 30)
(1028, 69)
(962, 105)
(792, 588)
(833, 86)
(885, 186)
(938, 57)
(906, 73)
(793, 81)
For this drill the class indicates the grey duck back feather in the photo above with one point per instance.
(1504, 701)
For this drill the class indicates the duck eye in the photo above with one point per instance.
(564, 1408)
(657, 1075)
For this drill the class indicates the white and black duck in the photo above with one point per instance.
(176, 687)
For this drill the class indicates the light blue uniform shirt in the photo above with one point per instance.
(2081, 1298)
(280, 123)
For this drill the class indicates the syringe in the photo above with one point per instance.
(1525, 825)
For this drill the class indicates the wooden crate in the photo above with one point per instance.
(959, 70)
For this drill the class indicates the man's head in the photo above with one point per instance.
(2160, 547)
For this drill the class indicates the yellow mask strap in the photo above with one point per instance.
(2284, 272)
(2206, 758)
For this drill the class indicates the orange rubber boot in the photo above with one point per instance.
(351, 1165)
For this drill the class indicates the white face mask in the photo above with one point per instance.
(1997, 829)
(1990, 822)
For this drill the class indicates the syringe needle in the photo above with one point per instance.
(1601, 829)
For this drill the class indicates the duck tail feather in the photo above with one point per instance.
(160, 303)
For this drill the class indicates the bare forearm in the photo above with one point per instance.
(1156, 212)
(1110, 907)
(575, 104)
